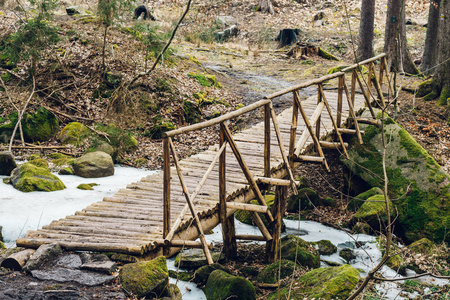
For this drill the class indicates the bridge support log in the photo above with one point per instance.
(278, 209)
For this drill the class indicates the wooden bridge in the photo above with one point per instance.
(159, 213)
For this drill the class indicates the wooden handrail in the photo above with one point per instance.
(217, 120)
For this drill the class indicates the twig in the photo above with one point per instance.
(412, 277)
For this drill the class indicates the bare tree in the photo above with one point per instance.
(443, 68)
(395, 45)
(430, 52)
(366, 26)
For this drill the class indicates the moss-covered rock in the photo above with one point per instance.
(7, 163)
(295, 249)
(66, 171)
(347, 254)
(120, 139)
(29, 178)
(94, 165)
(39, 162)
(355, 203)
(395, 262)
(99, 145)
(86, 186)
(326, 247)
(273, 273)
(40, 126)
(221, 286)
(423, 246)
(323, 283)
(444, 96)
(145, 278)
(184, 276)
(305, 199)
(425, 88)
(74, 133)
(192, 113)
(373, 212)
(159, 128)
(419, 185)
(195, 258)
(202, 273)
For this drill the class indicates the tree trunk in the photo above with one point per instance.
(365, 47)
(395, 45)
(430, 52)
(265, 6)
(443, 62)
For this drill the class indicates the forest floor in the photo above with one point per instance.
(248, 67)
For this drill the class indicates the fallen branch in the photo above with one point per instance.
(412, 277)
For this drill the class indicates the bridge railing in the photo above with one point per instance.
(365, 84)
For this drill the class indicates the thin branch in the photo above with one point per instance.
(412, 277)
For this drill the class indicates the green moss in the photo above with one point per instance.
(39, 162)
(431, 96)
(202, 273)
(40, 126)
(2, 246)
(347, 254)
(374, 206)
(443, 97)
(221, 286)
(336, 69)
(192, 113)
(34, 156)
(184, 276)
(113, 79)
(425, 88)
(296, 249)
(356, 202)
(273, 273)
(86, 186)
(306, 198)
(29, 178)
(326, 247)
(121, 140)
(322, 283)
(74, 133)
(206, 79)
(159, 128)
(423, 246)
(327, 55)
(66, 171)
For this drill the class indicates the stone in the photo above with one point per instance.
(40, 126)
(322, 283)
(94, 165)
(420, 186)
(296, 249)
(7, 163)
(202, 273)
(74, 133)
(86, 186)
(221, 286)
(39, 162)
(305, 199)
(43, 254)
(145, 278)
(72, 275)
(422, 246)
(226, 21)
(29, 178)
(98, 263)
(326, 247)
(66, 171)
(355, 203)
(373, 213)
(347, 254)
(74, 10)
(273, 273)
(104, 147)
(223, 36)
(195, 258)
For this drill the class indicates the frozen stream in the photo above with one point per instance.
(20, 212)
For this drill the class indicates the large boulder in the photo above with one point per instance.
(355, 203)
(419, 185)
(373, 212)
(74, 133)
(326, 247)
(221, 286)
(94, 165)
(322, 283)
(295, 249)
(7, 163)
(274, 272)
(145, 278)
(202, 273)
(29, 178)
(40, 126)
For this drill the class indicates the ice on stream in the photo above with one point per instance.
(20, 212)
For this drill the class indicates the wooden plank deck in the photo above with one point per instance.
(131, 221)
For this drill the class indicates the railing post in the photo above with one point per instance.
(339, 103)
(166, 188)
(369, 80)
(278, 212)
(267, 140)
(228, 229)
(293, 126)
(319, 99)
(353, 87)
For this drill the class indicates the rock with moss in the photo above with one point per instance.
(355, 203)
(29, 178)
(60, 160)
(86, 186)
(120, 139)
(39, 162)
(192, 113)
(202, 273)
(395, 262)
(66, 171)
(99, 145)
(347, 254)
(274, 272)
(145, 278)
(305, 199)
(221, 286)
(296, 249)
(425, 88)
(423, 246)
(323, 283)
(74, 133)
(326, 247)
(373, 212)
(195, 258)
(7, 163)
(444, 96)
(40, 126)
(159, 128)
(94, 165)
(419, 185)
(183, 276)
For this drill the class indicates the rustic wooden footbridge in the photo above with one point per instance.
(173, 208)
